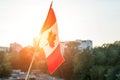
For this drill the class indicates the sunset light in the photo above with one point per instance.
(59, 39)
(21, 21)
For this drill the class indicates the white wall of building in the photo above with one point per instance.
(83, 44)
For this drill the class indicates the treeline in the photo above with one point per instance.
(100, 63)
(5, 66)
(21, 60)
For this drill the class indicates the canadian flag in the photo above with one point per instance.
(49, 42)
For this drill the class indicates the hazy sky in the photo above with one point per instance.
(96, 20)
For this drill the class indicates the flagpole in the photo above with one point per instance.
(26, 78)
(29, 69)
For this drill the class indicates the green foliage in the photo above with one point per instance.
(97, 72)
(82, 63)
(106, 62)
(23, 59)
(102, 63)
(112, 54)
(113, 73)
(99, 56)
(66, 69)
(5, 67)
(14, 59)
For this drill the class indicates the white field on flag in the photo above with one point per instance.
(44, 40)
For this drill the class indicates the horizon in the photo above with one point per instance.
(60, 42)
(98, 21)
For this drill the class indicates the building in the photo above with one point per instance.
(63, 46)
(82, 45)
(15, 47)
(4, 49)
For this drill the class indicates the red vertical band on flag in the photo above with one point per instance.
(50, 20)
(55, 59)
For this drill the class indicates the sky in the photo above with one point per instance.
(96, 20)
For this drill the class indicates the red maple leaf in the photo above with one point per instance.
(51, 39)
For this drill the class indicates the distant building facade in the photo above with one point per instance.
(4, 49)
(82, 45)
(63, 46)
(15, 47)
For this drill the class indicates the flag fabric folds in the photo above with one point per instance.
(49, 42)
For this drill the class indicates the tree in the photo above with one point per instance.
(14, 60)
(106, 62)
(5, 67)
(66, 69)
(26, 55)
(82, 64)
(112, 54)
(99, 56)
(97, 72)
